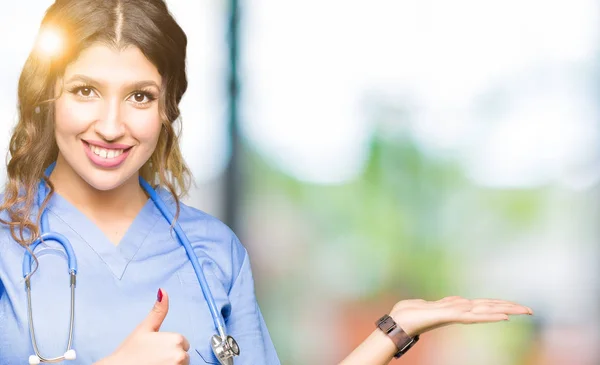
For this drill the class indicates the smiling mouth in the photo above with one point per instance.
(107, 153)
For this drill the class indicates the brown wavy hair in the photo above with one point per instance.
(147, 25)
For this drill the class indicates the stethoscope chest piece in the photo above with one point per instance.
(224, 349)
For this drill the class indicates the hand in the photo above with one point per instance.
(417, 316)
(145, 345)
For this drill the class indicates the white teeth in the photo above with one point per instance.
(104, 152)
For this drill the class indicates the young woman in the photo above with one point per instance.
(91, 211)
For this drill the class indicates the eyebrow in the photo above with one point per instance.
(99, 84)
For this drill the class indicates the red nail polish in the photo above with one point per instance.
(159, 295)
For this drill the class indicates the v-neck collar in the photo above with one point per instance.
(116, 257)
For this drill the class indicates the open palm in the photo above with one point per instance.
(416, 316)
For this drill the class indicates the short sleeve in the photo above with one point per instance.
(245, 322)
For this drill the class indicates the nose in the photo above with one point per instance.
(111, 126)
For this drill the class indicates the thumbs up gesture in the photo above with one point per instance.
(146, 345)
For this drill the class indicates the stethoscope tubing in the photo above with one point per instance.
(72, 263)
(158, 202)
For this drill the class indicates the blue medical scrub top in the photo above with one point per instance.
(117, 286)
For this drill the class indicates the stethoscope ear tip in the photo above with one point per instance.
(70, 355)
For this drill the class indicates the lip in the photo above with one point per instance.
(106, 162)
(112, 146)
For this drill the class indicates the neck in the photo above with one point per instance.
(126, 199)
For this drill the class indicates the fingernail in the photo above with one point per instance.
(159, 295)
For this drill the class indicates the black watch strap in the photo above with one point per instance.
(402, 341)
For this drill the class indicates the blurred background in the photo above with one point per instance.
(369, 152)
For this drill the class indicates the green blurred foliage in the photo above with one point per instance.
(401, 226)
(409, 211)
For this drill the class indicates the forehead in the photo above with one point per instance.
(113, 66)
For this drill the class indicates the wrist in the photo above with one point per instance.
(375, 349)
(403, 320)
(402, 340)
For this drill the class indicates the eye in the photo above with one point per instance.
(139, 97)
(142, 97)
(85, 91)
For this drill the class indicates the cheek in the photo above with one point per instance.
(73, 117)
(145, 126)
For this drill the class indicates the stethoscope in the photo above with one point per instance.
(224, 346)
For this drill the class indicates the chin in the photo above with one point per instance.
(103, 185)
(106, 180)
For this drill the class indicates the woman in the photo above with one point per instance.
(95, 123)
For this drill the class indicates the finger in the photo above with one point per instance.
(466, 303)
(181, 358)
(157, 315)
(184, 343)
(492, 300)
(513, 309)
(186, 361)
(501, 302)
(499, 308)
(471, 318)
(177, 340)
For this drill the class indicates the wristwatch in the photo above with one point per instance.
(402, 341)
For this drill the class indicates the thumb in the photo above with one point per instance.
(157, 315)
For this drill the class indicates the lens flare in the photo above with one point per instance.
(50, 42)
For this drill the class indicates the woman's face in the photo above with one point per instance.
(107, 121)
